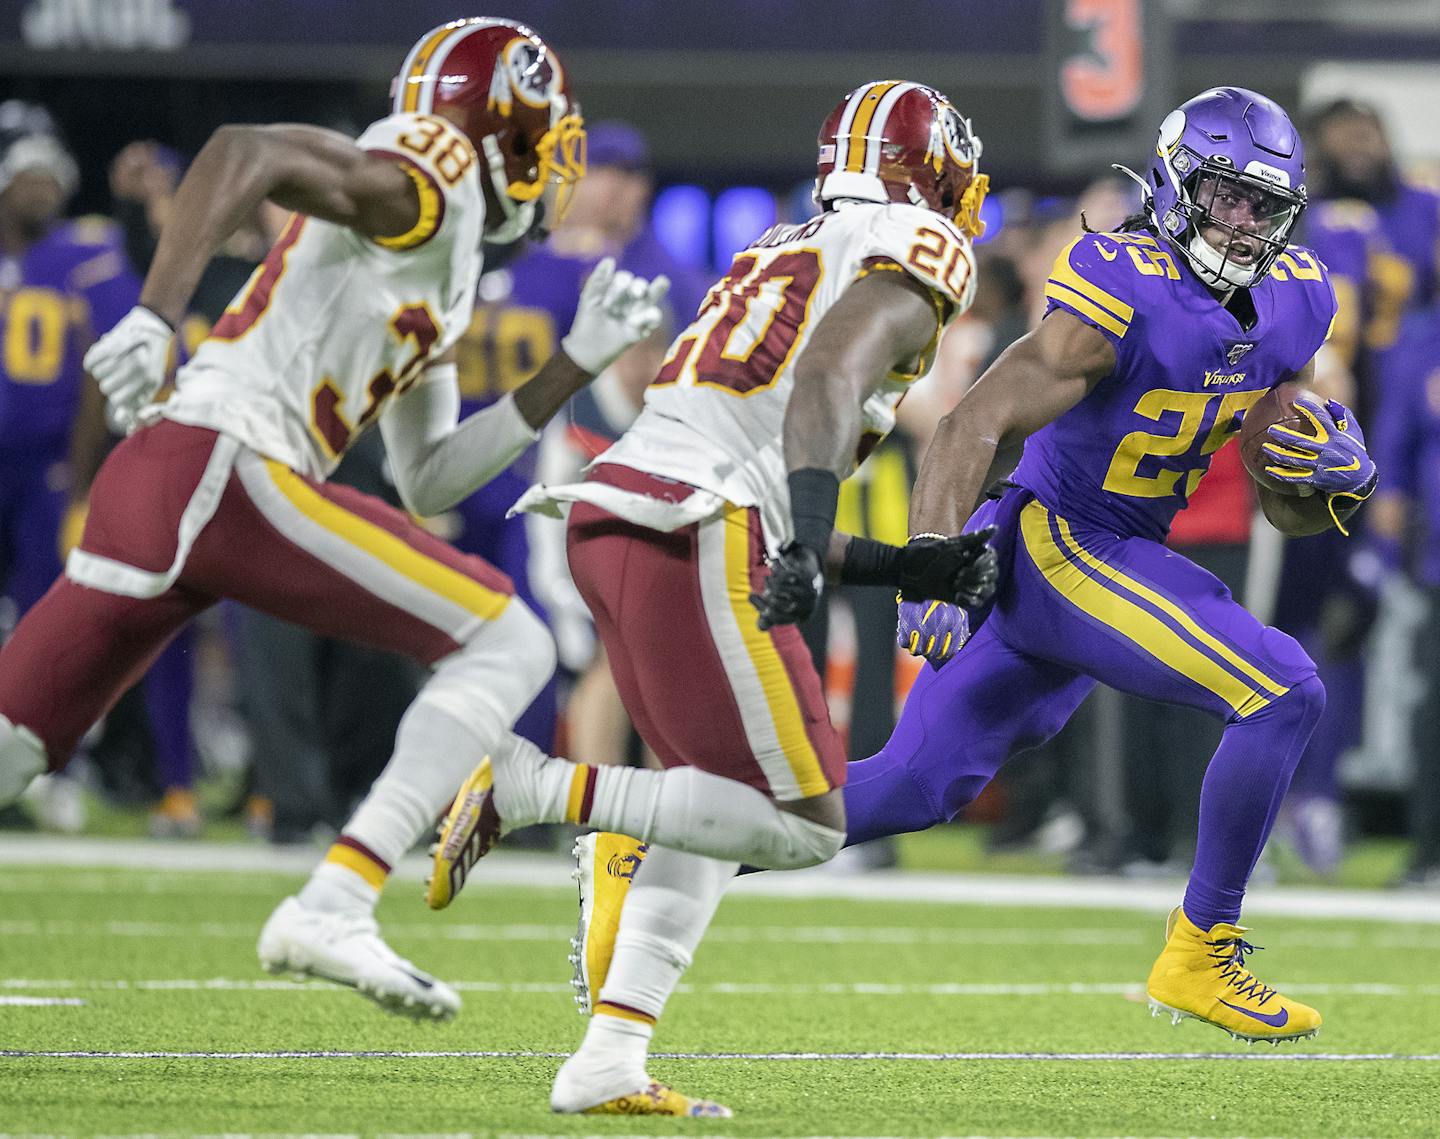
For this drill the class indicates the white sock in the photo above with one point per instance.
(337, 889)
(683, 808)
(667, 910)
(464, 712)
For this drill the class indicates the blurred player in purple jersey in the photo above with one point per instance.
(1326, 597)
(1408, 445)
(1353, 160)
(62, 283)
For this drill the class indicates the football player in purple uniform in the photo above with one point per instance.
(61, 284)
(1156, 340)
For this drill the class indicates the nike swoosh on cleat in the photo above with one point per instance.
(427, 983)
(1273, 1019)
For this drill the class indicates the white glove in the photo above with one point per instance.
(616, 310)
(129, 361)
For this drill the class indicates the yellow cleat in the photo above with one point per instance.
(604, 866)
(1202, 975)
(469, 831)
(658, 1099)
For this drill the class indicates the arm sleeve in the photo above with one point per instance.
(1094, 280)
(439, 159)
(437, 461)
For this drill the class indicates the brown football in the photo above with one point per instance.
(1276, 406)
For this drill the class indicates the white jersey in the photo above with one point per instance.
(715, 415)
(334, 323)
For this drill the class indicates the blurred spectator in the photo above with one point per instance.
(62, 284)
(1406, 511)
(1350, 157)
(1361, 209)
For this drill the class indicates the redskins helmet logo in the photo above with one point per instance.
(524, 71)
(955, 132)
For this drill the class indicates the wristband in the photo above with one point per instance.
(868, 562)
(814, 494)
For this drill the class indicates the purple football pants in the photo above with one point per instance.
(1078, 606)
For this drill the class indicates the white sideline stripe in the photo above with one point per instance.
(779, 1057)
(804, 935)
(553, 872)
(1407, 940)
(37, 1002)
(722, 988)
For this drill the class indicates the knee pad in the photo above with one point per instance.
(492, 678)
(22, 758)
(804, 842)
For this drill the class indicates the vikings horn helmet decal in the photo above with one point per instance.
(892, 141)
(505, 88)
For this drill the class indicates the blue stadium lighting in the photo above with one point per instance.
(992, 213)
(680, 217)
(742, 213)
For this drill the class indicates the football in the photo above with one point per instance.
(1276, 406)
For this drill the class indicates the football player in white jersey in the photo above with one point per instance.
(220, 493)
(720, 501)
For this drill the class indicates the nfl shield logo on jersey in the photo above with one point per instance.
(1237, 351)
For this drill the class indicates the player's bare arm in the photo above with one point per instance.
(881, 322)
(1036, 380)
(308, 169)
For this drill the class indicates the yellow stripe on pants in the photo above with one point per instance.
(394, 552)
(780, 695)
(1129, 619)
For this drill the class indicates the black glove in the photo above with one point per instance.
(961, 570)
(796, 581)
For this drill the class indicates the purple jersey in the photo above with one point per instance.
(1127, 457)
(1373, 285)
(1411, 221)
(65, 290)
(1406, 437)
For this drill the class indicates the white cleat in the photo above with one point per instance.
(347, 949)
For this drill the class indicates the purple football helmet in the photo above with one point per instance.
(1227, 184)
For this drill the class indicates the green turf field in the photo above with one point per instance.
(163, 962)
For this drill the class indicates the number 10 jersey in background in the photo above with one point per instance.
(714, 416)
(1126, 458)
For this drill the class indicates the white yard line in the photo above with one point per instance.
(1272, 1056)
(42, 1002)
(721, 988)
(1405, 940)
(552, 871)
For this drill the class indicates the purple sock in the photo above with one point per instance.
(1244, 786)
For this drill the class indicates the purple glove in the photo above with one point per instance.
(935, 630)
(1330, 460)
